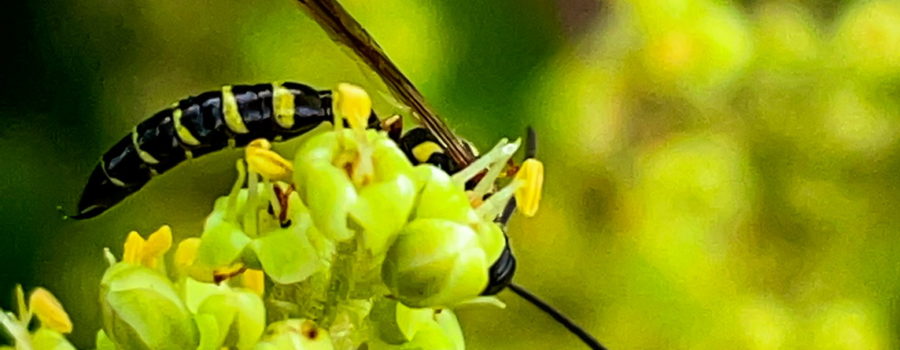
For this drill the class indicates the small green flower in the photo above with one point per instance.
(435, 263)
(295, 334)
(142, 310)
(233, 319)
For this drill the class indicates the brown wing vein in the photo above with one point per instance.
(345, 30)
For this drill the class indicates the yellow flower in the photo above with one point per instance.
(147, 252)
(49, 311)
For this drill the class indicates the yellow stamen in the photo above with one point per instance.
(254, 280)
(49, 311)
(354, 104)
(186, 253)
(156, 246)
(528, 197)
(134, 245)
(262, 160)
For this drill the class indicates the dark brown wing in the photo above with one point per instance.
(345, 30)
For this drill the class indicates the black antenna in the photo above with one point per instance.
(589, 340)
(575, 329)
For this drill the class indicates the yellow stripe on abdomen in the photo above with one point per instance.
(146, 157)
(183, 133)
(283, 105)
(230, 110)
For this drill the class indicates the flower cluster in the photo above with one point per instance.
(349, 245)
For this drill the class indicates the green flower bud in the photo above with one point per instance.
(450, 326)
(329, 198)
(389, 161)
(435, 263)
(48, 339)
(441, 198)
(382, 209)
(492, 240)
(295, 334)
(431, 337)
(435, 330)
(141, 310)
(320, 148)
(234, 319)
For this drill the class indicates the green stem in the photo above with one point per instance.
(342, 275)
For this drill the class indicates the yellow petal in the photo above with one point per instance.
(134, 246)
(267, 163)
(254, 280)
(186, 253)
(49, 311)
(528, 197)
(353, 103)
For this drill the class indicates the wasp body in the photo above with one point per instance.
(197, 125)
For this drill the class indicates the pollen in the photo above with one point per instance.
(186, 253)
(156, 246)
(134, 245)
(262, 160)
(49, 311)
(353, 103)
(254, 280)
(528, 196)
(147, 252)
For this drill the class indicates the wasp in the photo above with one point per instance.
(236, 115)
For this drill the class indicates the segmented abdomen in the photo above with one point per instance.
(199, 125)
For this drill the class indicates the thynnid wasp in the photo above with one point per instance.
(236, 115)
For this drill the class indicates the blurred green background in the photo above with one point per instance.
(720, 174)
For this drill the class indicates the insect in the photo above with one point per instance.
(236, 115)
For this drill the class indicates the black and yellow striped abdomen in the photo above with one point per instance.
(199, 125)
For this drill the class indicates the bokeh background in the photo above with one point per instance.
(720, 174)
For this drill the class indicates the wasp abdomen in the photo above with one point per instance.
(199, 125)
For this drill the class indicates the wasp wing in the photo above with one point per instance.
(345, 30)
